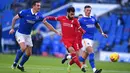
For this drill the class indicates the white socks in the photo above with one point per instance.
(69, 57)
(20, 65)
(94, 69)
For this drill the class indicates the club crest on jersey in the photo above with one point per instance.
(28, 15)
(20, 12)
(37, 17)
(93, 20)
(85, 20)
(71, 25)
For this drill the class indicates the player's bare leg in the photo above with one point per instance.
(19, 54)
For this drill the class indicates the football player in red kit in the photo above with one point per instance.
(69, 27)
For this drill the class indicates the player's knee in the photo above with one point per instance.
(85, 55)
(73, 54)
(89, 49)
(71, 50)
(23, 48)
(28, 53)
(78, 53)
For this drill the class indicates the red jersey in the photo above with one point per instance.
(68, 27)
(69, 30)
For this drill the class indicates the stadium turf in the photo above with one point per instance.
(38, 64)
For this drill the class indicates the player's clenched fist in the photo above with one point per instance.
(105, 35)
(11, 31)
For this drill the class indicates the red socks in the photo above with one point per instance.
(75, 59)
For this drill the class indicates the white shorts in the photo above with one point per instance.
(24, 38)
(86, 43)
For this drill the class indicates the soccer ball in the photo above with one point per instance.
(114, 57)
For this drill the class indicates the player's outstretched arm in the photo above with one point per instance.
(13, 23)
(51, 18)
(100, 30)
(49, 26)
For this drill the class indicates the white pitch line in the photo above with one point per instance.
(63, 68)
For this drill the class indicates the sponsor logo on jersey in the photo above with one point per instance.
(63, 19)
(30, 21)
(28, 15)
(90, 26)
(68, 24)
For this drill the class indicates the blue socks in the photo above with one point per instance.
(24, 59)
(18, 56)
(81, 59)
(91, 60)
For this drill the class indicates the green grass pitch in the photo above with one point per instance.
(39, 64)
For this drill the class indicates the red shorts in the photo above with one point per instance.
(79, 40)
(71, 43)
(78, 43)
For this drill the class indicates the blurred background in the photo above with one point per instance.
(113, 16)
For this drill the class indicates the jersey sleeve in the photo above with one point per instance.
(22, 13)
(59, 18)
(80, 21)
(53, 18)
(41, 18)
(96, 21)
(77, 23)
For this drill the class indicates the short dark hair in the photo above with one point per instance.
(70, 9)
(35, 1)
(80, 14)
(87, 6)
